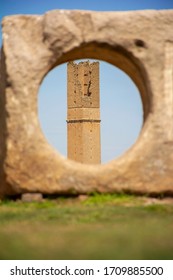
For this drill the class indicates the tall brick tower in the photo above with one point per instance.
(83, 113)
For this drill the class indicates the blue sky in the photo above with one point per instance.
(121, 108)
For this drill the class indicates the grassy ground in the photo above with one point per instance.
(98, 227)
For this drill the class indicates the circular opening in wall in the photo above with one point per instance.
(121, 111)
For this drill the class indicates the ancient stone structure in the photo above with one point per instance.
(83, 114)
(141, 44)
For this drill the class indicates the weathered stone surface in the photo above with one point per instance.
(30, 197)
(141, 44)
(83, 112)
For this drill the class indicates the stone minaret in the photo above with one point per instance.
(83, 113)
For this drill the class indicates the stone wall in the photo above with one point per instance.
(139, 43)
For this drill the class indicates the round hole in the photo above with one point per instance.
(120, 107)
(140, 43)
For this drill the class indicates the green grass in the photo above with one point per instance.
(100, 227)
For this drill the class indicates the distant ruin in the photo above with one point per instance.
(83, 113)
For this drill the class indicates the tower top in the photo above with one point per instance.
(83, 84)
(85, 62)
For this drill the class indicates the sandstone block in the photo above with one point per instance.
(30, 197)
(139, 43)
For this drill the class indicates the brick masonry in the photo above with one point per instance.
(83, 113)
